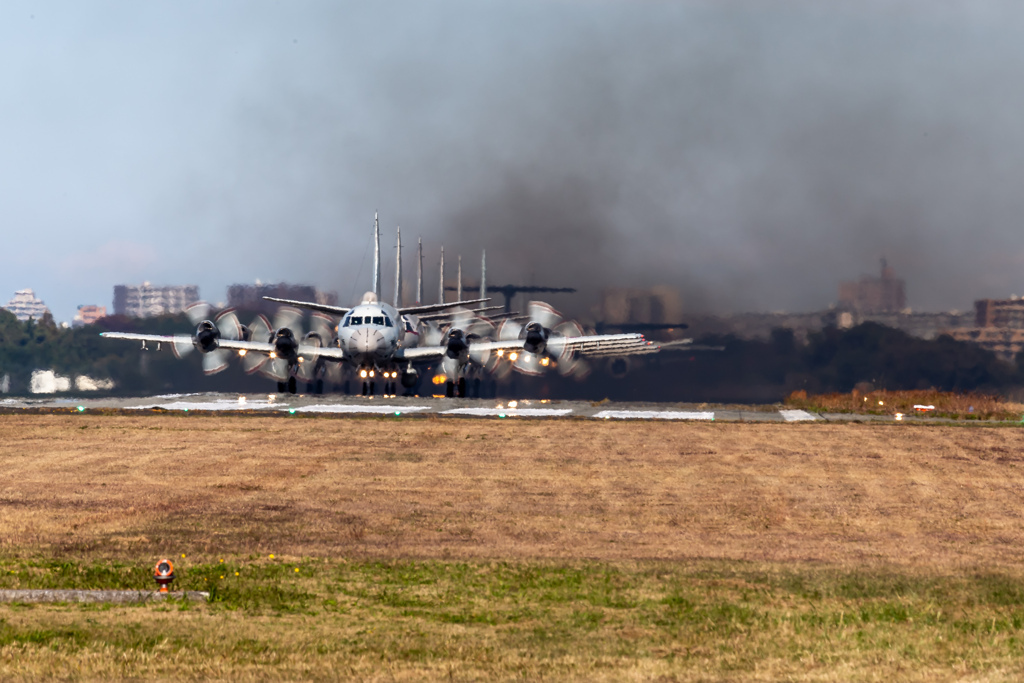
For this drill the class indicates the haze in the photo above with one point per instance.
(752, 154)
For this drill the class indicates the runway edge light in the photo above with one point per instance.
(163, 574)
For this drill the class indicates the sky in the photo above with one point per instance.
(752, 154)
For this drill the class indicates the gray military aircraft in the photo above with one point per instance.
(378, 340)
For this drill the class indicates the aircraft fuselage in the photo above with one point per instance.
(370, 334)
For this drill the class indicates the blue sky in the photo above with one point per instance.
(752, 154)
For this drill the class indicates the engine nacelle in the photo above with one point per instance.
(456, 344)
(535, 337)
(618, 367)
(207, 336)
(285, 344)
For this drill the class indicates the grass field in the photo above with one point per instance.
(395, 548)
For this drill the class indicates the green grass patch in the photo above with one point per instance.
(524, 619)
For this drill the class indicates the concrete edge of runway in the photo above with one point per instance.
(288, 405)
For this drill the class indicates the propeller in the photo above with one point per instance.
(533, 359)
(321, 331)
(475, 328)
(207, 336)
(286, 325)
(569, 363)
(260, 331)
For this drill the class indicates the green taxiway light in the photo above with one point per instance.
(501, 414)
(291, 411)
(397, 413)
(81, 409)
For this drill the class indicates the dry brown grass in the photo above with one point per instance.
(946, 404)
(122, 486)
(624, 551)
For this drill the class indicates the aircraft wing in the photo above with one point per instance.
(231, 344)
(593, 345)
(311, 305)
(420, 353)
(341, 310)
(434, 308)
(159, 338)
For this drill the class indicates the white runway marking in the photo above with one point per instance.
(218, 405)
(510, 412)
(324, 408)
(652, 415)
(797, 415)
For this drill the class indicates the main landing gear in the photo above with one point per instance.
(451, 387)
(290, 386)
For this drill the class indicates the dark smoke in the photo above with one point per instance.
(752, 155)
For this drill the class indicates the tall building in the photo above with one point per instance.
(88, 314)
(250, 297)
(886, 294)
(145, 300)
(25, 305)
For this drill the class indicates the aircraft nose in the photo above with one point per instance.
(366, 343)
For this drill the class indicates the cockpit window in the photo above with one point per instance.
(387, 322)
(346, 321)
(356, 320)
(378, 320)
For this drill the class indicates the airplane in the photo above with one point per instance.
(380, 340)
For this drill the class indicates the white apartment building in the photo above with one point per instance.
(145, 300)
(25, 305)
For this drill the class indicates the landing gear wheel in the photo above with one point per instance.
(292, 385)
(281, 387)
(366, 388)
(462, 387)
(373, 388)
(309, 387)
(319, 388)
(449, 389)
(476, 388)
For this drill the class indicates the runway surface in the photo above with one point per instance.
(304, 404)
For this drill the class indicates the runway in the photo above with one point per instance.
(335, 405)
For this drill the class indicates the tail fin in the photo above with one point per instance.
(398, 269)
(376, 256)
(419, 273)
(440, 286)
(483, 275)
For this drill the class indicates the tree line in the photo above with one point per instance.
(832, 360)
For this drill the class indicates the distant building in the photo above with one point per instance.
(88, 314)
(145, 300)
(886, 294)
(998, 327)
(250, 297)
(655, 305)
(25, 305)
